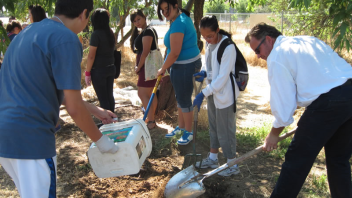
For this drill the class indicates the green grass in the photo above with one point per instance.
(317, 186)
(255, 136)
(320, 182)
(252, 138)
(162, 143)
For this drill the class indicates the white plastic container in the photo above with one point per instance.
(135, 145)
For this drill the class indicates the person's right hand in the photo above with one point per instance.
(201, 75)
(88, 80)
(161, 71)
(106, 145)
(270, 142)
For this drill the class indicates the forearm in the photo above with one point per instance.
(92, 108)
(276, 131)
(80, 114)
(170, 60)
(90, 61)
(142, 59)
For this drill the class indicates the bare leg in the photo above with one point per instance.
(188, 120)
(144, 94)
(181, 122)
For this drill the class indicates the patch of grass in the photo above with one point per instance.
(317, 186)
(84, 167)
(320, 182)
(255, 136)
(203, 136)
(162, 143)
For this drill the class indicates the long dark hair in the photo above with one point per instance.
(135, 31)
(169, 2)
(210, 21)
(100, 21)
(38, 13)
(12, 25)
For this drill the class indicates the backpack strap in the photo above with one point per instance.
(226, 42)
(233, 91)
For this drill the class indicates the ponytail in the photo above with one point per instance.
(134, 35)
(223, 32)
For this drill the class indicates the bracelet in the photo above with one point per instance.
(87, 73)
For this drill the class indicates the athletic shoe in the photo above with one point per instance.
(233, 170)
(186, 138)
(208, 163)
(177, 130)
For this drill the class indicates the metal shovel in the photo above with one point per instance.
(192, 158)
(188, 182)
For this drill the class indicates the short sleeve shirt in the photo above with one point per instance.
(105, 50)
(40, 63)
(138, 43)
(183, 24)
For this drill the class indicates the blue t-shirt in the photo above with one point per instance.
(183, 24)
(38, 65)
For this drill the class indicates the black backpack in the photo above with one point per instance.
(241, 70)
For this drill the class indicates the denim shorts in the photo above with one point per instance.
(181, 78)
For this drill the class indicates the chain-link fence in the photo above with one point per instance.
(242, 22)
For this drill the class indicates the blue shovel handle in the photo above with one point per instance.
(152, 97)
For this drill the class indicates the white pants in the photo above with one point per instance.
(33, 178)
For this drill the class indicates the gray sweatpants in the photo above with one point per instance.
(222, 128)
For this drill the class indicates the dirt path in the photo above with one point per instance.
(253, 103)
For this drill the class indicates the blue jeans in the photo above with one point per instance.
(103, 84)
(327, 122)
(181, 78)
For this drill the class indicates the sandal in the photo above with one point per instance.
(151, 122)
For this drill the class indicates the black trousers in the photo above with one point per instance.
(103, 83)
(327, 122)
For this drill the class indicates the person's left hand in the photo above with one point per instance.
(198, 100)
(106, 116)
(200, 76)
(161, 71)
(270, 142)
(136, 69)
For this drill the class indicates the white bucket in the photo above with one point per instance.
(135, 145)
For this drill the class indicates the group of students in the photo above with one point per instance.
(183, 60)
(39, 75)
(35, 13)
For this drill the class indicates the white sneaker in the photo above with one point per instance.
(208, 163)
(233, 170)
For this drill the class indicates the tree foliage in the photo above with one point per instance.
(216, 6)
(328, 19)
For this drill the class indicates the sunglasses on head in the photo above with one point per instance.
(257, 51)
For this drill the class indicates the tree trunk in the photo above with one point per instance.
(166, 98)
(198, 14)
(189, 5)
(179, 3)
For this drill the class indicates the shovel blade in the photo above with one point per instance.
(193, 189)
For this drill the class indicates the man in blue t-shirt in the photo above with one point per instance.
(41, 70)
